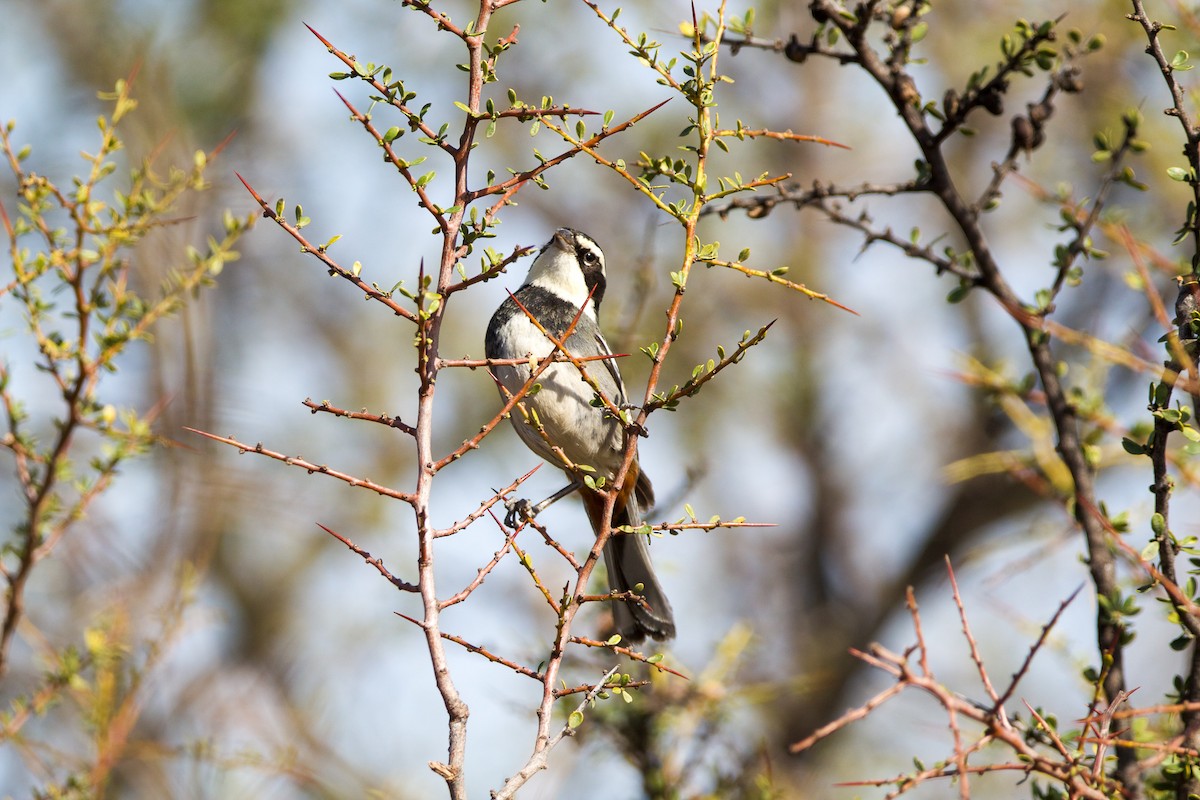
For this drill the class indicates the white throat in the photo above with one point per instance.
(557, 272)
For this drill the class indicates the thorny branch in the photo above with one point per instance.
(1037, 746)
(887, 67)
(460, 228)
(80, 343)
(319, 252)
(538, 761)
(374, 561)
(310, 467)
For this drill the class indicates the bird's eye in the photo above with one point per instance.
(589, 257)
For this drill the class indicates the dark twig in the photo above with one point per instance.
(319, 253)
(297, 461)
(520, 669)
(377, 563)
(628, 652)
(1023, 670)
(486, 505)
(382, 419)
(483, 571)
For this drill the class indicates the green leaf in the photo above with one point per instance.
(575, 720)
(1178, 173)
(959, 293)
(1132, 447)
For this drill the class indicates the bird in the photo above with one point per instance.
(565, 285)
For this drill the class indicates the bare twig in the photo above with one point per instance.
(537, 762)
(297, 461)
(319, 253)
(375, 562)
(382, 419)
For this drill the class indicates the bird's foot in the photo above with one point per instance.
(519, 511)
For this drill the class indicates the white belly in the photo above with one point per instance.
(587, 434)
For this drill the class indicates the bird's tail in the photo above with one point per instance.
(627, 557)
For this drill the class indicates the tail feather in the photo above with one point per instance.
(627, 557)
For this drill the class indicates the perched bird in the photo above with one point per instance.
(567, 275)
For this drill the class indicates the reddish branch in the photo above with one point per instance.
(319, 253)
(888, 70)
(486, 505)
(310, 467)
(377, 563)
(382, 419)
(1038, 749)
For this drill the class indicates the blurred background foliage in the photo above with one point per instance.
(285, 673)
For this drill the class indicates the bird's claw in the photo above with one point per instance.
(519, 511)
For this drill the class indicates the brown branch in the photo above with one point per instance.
(297, 461)
(375, 562)
(413, 117)
(320, 254)
(1101, 561)
(474, 648)
(584, 687)
(1178, 110)
(401, 165)
(629, 653)
(774, 277)
(555, 358)
(975, 656)
(382, 419)
(538, 761)
(498, 268)
(910, 602)
(851, 716)
(485, 506)
(783, 136)
(693, 385)
(998, 706)
(553, 544)
(482, 573)
(527, 563)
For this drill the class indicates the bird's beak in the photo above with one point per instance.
(564, 240)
